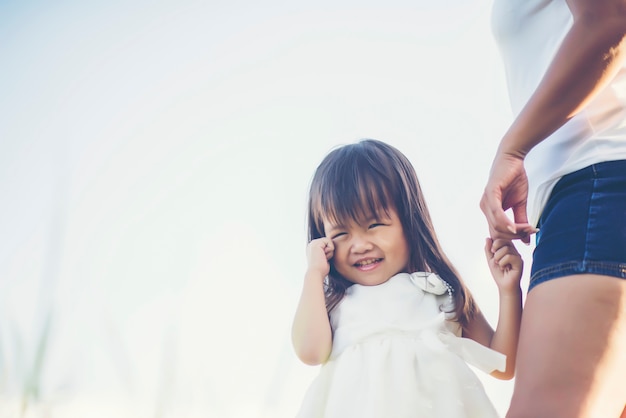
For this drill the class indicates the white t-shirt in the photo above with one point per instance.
(529, 32)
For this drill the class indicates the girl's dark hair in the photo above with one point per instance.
(366, 178)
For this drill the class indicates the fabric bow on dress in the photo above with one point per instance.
(429, 282)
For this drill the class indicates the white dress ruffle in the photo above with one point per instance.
(396, 355)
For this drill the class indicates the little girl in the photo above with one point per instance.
(383, 308)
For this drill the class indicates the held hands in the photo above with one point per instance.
(507, 188)
(505, 263)
(318, 252)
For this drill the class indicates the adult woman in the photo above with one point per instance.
(564, 157)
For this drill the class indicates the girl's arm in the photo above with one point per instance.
(505, 265)
(311, 334)
(589, 57)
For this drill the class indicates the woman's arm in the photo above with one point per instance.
(589, 57)
(506, 266)
(311, 334)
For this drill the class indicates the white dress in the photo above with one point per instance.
(395, 355)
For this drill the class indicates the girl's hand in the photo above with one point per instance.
(318, 252)
(505, 263)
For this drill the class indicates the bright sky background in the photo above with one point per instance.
(154, 165)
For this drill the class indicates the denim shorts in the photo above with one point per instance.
(582, 229)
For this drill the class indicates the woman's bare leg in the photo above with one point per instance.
(571, 358)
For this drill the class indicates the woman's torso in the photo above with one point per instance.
(529, 32)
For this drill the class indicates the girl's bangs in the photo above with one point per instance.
(351, 194)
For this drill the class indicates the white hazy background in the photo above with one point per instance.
(154, 165)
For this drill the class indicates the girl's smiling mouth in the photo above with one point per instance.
(367, 264)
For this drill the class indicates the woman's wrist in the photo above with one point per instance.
(509, 148)
(517, 141)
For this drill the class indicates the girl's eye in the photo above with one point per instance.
(338, 235)
(375, 225)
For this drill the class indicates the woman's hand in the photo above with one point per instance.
(507, 188)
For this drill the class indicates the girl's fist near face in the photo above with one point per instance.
(319, 252)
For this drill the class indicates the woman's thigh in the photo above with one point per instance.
(572, 349)
(583, 226)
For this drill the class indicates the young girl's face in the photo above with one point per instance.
(370, 251)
